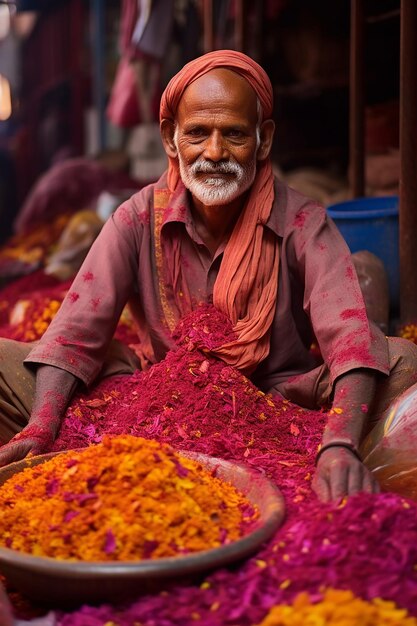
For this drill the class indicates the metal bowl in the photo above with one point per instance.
(70, 583)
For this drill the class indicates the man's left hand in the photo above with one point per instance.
(339, 473)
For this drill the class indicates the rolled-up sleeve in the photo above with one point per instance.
(78, 337)
(332, 296)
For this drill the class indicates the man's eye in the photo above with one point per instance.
(195, 132)
(235, 134)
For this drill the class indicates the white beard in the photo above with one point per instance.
(217, 191)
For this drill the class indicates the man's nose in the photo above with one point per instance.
(214, 150)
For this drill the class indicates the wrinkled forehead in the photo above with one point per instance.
(220, 89)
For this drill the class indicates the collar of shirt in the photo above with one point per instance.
(179, 211)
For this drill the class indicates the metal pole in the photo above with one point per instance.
(356, 100)
(408, 155)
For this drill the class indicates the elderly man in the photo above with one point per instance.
(218, 228)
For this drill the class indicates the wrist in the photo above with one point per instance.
(346, 427)
(338, 443)
(49, 421)
(39, 428)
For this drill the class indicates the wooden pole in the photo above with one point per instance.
(408, 155)
(356, 100)
(208, 34)
(240, 25)
(97, 46)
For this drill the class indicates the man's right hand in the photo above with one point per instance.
(30, 441)
(6, 613)
(54, 389)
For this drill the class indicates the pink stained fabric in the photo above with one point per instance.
(121, 267)
(68, 187)
(247, 284)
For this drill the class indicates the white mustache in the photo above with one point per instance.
(208, 167)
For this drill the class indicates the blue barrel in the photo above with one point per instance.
(372, 224)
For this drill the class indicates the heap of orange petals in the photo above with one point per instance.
(338, 608)
(127, 498)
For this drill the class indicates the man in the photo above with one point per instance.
(218, 228)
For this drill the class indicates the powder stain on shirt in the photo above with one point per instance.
(124, 215)
(95, 302)
(349, 314)
(350, 273)
(300, 219)
(360, 351)
(73, 296)
(143, 215)
(182, 211)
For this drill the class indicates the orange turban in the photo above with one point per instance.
(247, 282)
(229, 59)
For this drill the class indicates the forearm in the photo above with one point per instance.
(54, 390)
(340, 471)
(353, 395)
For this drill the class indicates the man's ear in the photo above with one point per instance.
(267, 135)
(167, 133)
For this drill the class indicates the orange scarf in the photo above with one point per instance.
(247, 283)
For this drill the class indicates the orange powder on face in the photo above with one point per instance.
(127, 498)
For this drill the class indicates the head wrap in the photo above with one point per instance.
(247, 282)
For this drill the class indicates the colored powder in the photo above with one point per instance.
(300, 219)
(349, 314)
(26, 287)
(338, 608)
(25, 315)
(353, 348)
(125, 499)
(26, 252)
(193, 401)
(35, 316)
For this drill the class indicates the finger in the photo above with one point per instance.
(356, 479)
(321, 487)
(370, 483)
(13, 452)
(339, 482)
(6, 618)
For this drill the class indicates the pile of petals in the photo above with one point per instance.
(30, 318)
(337, 608)
(26, 252)
(29, 304)
(408, 331)
(193, 401)
(24, 287)
(125, 499)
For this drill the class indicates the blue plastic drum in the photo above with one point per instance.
(372, 224)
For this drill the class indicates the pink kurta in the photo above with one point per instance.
(318, 296)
